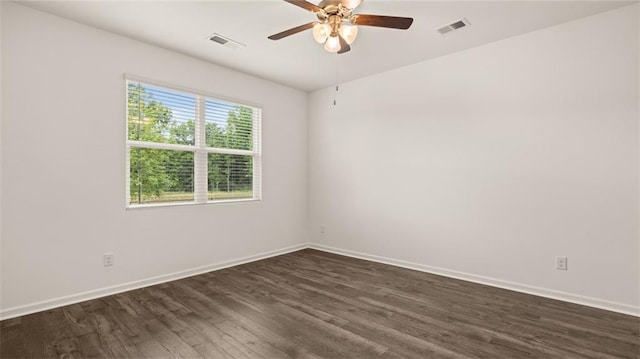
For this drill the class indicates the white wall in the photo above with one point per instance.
(488, 163)
(63, 169)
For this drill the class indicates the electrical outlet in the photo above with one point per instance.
(561, 263)
(107, 259)
(322, 229)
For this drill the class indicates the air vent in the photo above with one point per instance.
(219, 39)
(226, 42)
(454, 26)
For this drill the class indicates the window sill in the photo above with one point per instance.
(183, 204)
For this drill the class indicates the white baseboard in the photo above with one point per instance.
(542, 292)
(97, 293)
(517, 287)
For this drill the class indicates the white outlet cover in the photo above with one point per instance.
(562, 263)
(107, 259)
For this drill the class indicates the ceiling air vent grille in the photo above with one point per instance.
(454, 26)
(225, 41)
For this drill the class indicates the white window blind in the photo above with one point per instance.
(185, 147)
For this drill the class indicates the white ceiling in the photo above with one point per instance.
(298, 61)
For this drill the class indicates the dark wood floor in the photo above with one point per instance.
(311, 304)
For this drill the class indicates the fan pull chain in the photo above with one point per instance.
(335, 92)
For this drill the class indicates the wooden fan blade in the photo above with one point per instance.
(305, 5)
(351, 4)
(392, 22)
(291, 31)
(344, 47)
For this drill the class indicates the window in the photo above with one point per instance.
(184, 147)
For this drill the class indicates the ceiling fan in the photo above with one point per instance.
(332, 28)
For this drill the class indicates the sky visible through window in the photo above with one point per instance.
(183, 106)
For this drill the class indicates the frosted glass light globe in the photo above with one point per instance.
(321, 32)
(348, 33)
(332, 44)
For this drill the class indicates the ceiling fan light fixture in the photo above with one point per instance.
(332, 44)
(321, 32)
(348, 33)
(331, 28)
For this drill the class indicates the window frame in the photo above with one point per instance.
(199, 149)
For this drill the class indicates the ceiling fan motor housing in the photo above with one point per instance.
(333, 8)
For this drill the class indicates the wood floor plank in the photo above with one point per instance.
(11, 338)
(62, 340)
(254, 321)
(313, 304)
(34, 336)
(134, 323)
